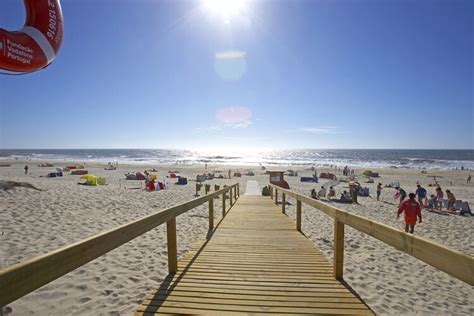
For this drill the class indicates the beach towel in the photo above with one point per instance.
(182, 181)
(309, 179)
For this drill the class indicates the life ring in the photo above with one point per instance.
(38, 42)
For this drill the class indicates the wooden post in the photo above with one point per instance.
(271, 192)
(276, 196)
(231, 202)
(238, 189)
(283, 202)
(211, 213)
(223, 204)
(338, 265)
(298, 215)
(172, 247)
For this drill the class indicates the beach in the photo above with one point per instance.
(390, 282)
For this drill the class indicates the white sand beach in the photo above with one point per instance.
(390, 282)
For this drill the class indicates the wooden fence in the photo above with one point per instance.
(27, 276)
(453, 262)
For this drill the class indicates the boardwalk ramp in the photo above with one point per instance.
(255, 262)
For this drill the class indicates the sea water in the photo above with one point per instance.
(369, 158)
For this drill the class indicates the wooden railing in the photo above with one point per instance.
(453, 262)
(27, 276)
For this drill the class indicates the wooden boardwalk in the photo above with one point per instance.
(255, 262)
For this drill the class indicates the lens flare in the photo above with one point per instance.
(226, 7)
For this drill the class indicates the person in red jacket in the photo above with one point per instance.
(412, 210)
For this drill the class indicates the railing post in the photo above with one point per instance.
(211, 213)
(338, 266)
(298, 215)
(231, 201)
(238, 189)
(172, 247)
(223, 204)
(271, 192)
(283, 202)
(276, 196)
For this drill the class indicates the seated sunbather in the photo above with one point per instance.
(332, 192)
(345, 197)
(322, 192)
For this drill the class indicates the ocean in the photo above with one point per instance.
(369, 158)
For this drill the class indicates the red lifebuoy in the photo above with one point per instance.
(36, 45)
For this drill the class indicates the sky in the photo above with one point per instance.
(256, 74)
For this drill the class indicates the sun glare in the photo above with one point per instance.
(225, 7)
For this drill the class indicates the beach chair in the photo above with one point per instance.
(458, 205)
(465, 208)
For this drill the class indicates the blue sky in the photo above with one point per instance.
(273, 74)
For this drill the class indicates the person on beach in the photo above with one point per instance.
(353, 193)
(432, 202)
(314, 195)
(421, 194)
(332, 192)
(412, 210)
(439, 199)
(26, 169)
(322, 192)
(469, 179)
(402, 194)
(379, 191)
(451, 200)
(345, 197)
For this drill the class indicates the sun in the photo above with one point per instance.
(225, 8)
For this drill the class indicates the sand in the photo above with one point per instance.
(35, 222)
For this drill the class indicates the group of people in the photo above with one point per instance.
(346, 197)
(434, 202)
(323, 193)
(347, 172)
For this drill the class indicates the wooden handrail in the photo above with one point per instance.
(453, 262)
(27, 276)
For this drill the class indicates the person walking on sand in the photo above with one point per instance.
(379, 190)
(469, 179)
(421, 194)
(412, 211)
(26, 169)
(402, 193)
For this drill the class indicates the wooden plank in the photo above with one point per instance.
(223, 204)
(251, 302)
(338, 250)
(177, 307)
(288, 296)
(27, 276)
(211, 213)
(172, 245)
(298, 215)
(256, 262)
(294, 292)
(283, 203)
(450, 261)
